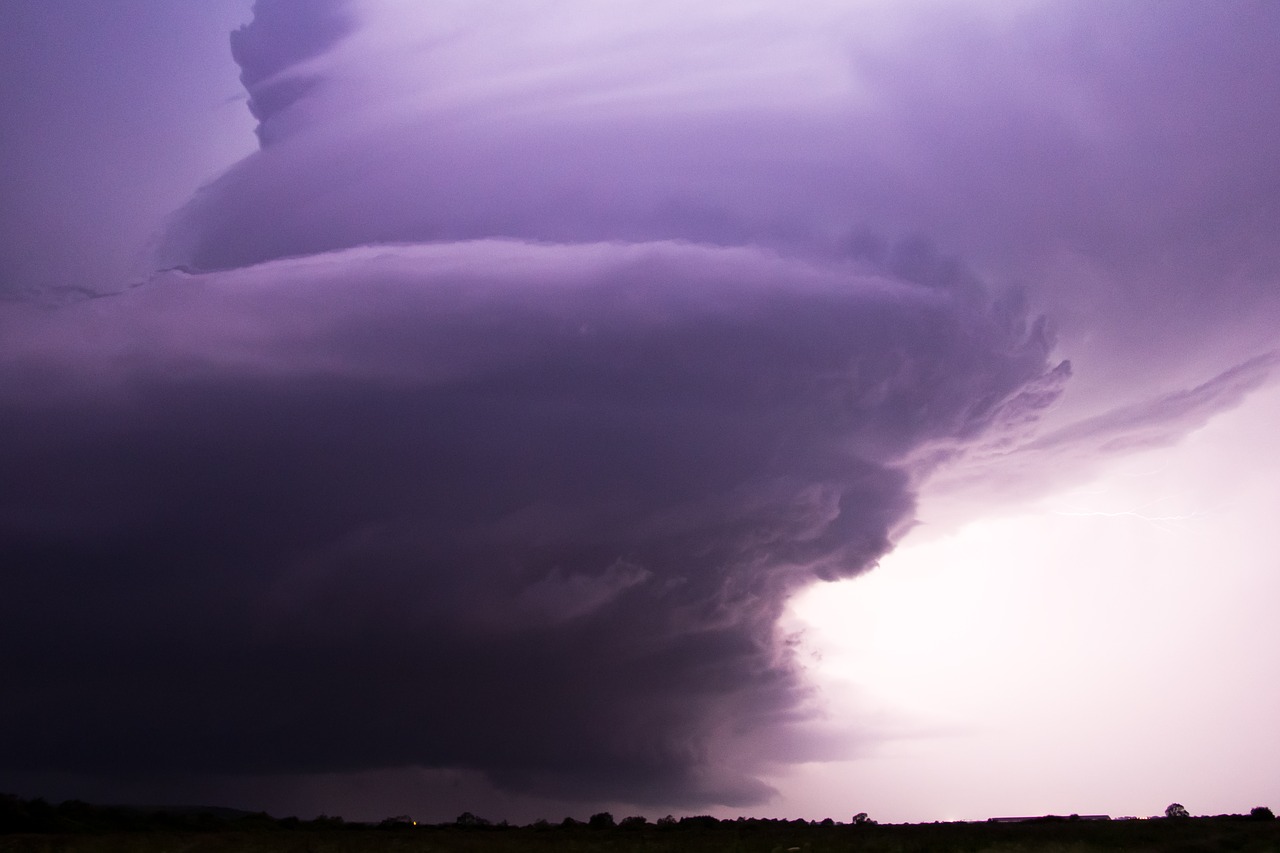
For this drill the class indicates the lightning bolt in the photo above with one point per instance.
(1164, 521)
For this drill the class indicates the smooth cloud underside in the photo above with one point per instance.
(529, 509)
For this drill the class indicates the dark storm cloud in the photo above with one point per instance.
(532, 510)
(540, 354)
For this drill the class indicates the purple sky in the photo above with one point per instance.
(500, 407)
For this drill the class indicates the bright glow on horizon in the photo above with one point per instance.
(1090, 637)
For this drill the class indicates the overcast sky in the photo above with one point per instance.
(536, 408)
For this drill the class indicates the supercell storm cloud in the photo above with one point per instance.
(531, 509)
(487, 416)
(527, 508)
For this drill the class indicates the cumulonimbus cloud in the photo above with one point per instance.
(529, 509)
(490, 412)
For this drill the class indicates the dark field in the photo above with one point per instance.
(1165, 836)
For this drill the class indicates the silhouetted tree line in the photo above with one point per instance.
(606, 820)
(37, 815)
(74, 816)
(19, 815)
